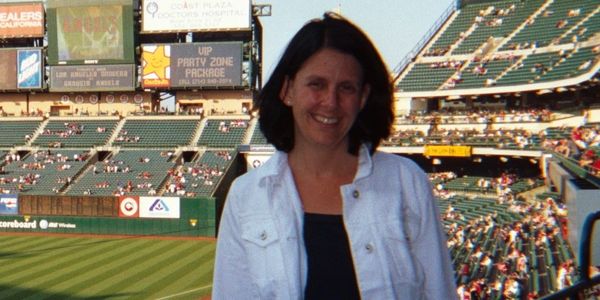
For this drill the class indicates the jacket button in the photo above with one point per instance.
(355, 194)
(263, 235)
(369, 247)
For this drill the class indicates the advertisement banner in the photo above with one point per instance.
(29, 69)
(156, 66)
(195, 15)
(8, 65)
(9, 205)
(96, 33)
(192, 65)
(21, 20)
(129, 207)
(440, 150)
(92, 78)
(159, 207)
(206, 64)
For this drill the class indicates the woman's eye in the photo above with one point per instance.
(315, 84)
(348, 88)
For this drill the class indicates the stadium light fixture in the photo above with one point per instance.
(544, 91)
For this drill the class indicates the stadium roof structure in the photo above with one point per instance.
(506, 47)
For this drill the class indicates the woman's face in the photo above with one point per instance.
(326, 95)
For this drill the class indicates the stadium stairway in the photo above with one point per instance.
(522, 26)
(252, 125)
(92, 159)
(578, 25)
(162, 186)
(199, 131)
(116, 131)
(38, 131)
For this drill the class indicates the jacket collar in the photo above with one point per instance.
(276, 166)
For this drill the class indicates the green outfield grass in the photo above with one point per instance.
(59, 267)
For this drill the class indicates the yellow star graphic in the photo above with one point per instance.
(156, 62)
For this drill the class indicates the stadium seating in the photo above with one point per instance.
(16, 132)
(553, 22)
(155, 132)
(42, 172)
(515, 42)
(223, 133)
(424, 77)
(142, 170)
(76, 133)
(202, 176)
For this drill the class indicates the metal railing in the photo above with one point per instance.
(423, 41)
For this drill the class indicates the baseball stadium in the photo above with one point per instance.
(106, 194)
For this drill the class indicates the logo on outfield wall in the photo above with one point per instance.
(159, 207)
(129, 207)
(9, 205)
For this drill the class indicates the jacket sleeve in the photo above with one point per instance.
(429, 244)
(231, 279)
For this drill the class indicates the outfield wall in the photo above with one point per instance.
(109, 215)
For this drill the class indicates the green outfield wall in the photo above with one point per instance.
(196, 218)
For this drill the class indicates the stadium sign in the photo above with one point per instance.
(16, 224)
(195, 15)
(192, 65)
(159, 207)
(92, 78)
(442, 150)
(129, 207)
(19, 20)
(29, 69)
(91, 32)
(9, 205)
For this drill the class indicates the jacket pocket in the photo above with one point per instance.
(259, 231)
(264, 255)
(405, 271)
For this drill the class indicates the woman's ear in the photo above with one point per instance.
(365, 95)
(283, 93)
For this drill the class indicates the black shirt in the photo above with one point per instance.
(330, 267)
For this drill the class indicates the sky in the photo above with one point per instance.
(395, 26)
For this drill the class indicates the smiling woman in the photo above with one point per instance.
(329, 216)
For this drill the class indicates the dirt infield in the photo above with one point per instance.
(113, 236)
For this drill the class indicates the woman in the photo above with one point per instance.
(329, 217)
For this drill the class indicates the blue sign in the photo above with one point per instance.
(29, 69)
(9, 205)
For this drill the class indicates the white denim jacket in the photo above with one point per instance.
(260, 247)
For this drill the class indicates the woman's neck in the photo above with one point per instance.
(323, 162)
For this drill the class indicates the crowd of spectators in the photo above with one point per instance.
(124, 137)
(580, 143)
(505, 270)
(224, 126)
(186, 180)
(71, 128)
(478, 116)
(37, 165)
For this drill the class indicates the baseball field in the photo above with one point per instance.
(85, 267)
